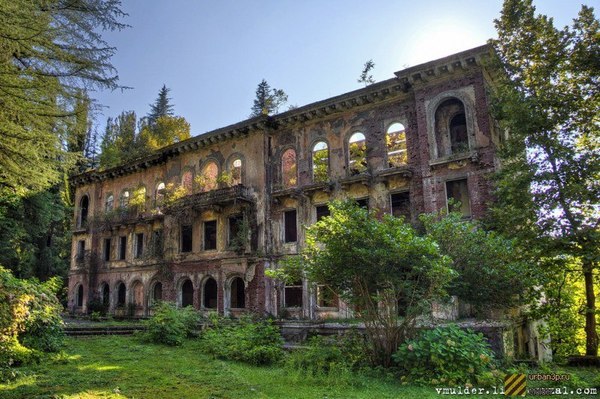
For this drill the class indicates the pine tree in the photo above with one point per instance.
(161, 107)
(548, 101)
(268, 100)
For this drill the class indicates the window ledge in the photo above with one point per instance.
(360, 178)
(472, 156)
(404, 171)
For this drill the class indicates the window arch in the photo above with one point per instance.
(84, 206)
(160, 193)
(237, 293)
(187, 180)
(124, 200)
(187, 293)
(357, 153)
(121, 294)
(208, 178)
(320, 162)
(450, 128)
(235, 168)
(157, 292)
(79, 296)
(289, 169)
(210, 294)
(110, 201)
(395, 139)
(105, 295)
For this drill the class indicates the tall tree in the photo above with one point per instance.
(118, 142)
(161, 107)
(268, 100)
(549, 103)
(49, 50)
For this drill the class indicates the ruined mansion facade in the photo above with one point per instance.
(199, 222)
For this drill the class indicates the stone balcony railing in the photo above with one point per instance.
(217, 197)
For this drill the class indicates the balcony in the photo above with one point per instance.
(214, 198)
(122, 217)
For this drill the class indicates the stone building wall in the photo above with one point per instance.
(449, 150)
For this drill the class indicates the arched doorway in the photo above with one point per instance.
(187, 294)
(210, 294)
(237, 294)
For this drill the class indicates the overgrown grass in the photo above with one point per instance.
(124, 367)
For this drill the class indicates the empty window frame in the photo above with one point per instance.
(235, 169)
(84, 205)
(107, 244)
(124, 200)
(210, 294)
(289, 169)
(401, 205)
(293, 295)
(357, 154)
(121, 294)
(157, 242)
(139, 245)
(80, 249)
(187, 294)
(110, 201)
(457, 195)
(451, 134)
(326, 298)
(395, 139)
(321, 211)
(157, 291)
(320, 162)
(210, 235)
(160, 193)
(208, 178)
(237, 293)
(122, 247)
(363, 203)
(236, 232)
(186, 238)
(80, 296)
(290, 226)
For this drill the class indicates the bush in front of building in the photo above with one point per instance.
(169, 324)
(30, 321)
(245, 340)
(447, 356)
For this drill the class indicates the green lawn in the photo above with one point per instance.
(122, 367)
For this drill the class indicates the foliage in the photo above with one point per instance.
(548, 100)
(49, 51)
(365, 76)
(381, 267)
(138, 198)
(30, 321)
(165, 131)
(225, 179)
(446, 356)
(118, 142)
(322, 356)
(489, 273)
(321, 166)
(161, 107)
(248, 341)
(358, 157)
(169, 324)
(174, 193)
(268, 100)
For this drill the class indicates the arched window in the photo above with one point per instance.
(157, 291)
(208, 179)
(289, 169)
(160, 193)
(137, 295)
(110, 200)
(236, 171)
(451, 135)
(237, 293)
(105, 292)
(187, 180)
(320, 162)
(121, 294)
(84, 205)
(210, 293)
(80, 296)
(395, 139)
(357, 153)
(124, 200)
(187, 294)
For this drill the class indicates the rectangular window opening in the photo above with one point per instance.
(322, 211)
(80, 249)
(401, 205)
(139, 245)
(157, 242)
(326, 298)
(210, 235)
(186, 238)
(363, 203)
(457, 194)
(293, 295)
(122, 247)
(107, 242)
(290, 226)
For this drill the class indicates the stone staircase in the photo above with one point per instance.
(83, 330)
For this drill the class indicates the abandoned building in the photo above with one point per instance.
(199, 222)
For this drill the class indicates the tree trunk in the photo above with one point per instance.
(591, 336)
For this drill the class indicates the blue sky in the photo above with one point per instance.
(212, 54)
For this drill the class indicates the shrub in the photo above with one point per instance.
(447, 355)
(170, 325)
(246, 341)
(323, 356)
